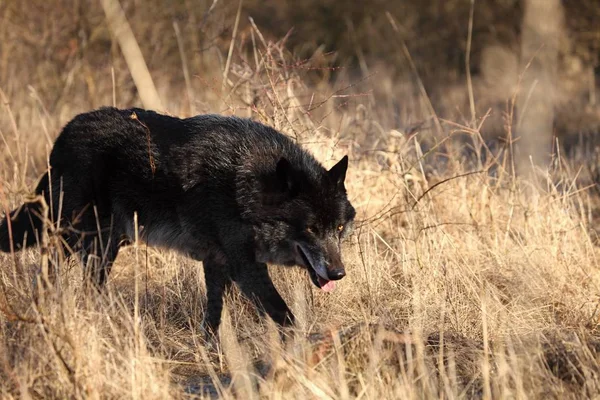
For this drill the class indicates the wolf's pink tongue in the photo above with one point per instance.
(326, 286)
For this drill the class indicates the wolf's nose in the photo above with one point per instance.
(336, 274)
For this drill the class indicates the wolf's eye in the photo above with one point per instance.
(340, 228)
(310, 229)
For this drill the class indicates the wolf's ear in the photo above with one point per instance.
(337, 173)
(285, 175)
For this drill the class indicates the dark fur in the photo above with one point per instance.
(231, 192)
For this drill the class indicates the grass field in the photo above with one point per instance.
(464, 279)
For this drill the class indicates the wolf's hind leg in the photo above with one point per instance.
(254, 281)
(98, 260)
(99, 251)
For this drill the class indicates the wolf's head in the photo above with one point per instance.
(305, 216)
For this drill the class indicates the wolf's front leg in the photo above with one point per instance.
(254, 281)
(217, 278)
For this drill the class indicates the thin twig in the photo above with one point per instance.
(468, 63)
(444, 181)
(184, 66)
(231, 45)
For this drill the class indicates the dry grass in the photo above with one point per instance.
(463, 279)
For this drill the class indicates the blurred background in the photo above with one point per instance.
(440, 105)
(406, 63)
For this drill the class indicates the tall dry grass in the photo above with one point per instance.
(464, 280)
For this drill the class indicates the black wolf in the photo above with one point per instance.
(230, 192)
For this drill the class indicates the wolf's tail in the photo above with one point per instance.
(21, 227)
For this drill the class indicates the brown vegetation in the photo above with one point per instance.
(464, 279)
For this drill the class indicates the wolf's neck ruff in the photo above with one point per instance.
(230, 192)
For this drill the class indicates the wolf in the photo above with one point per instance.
(227, 191)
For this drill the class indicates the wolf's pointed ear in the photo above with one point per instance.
(337, 173)
(285, 175)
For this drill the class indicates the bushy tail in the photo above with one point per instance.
(25, 222)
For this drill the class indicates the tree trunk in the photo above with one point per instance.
(542, 29)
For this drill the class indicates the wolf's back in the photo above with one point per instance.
(20, 227)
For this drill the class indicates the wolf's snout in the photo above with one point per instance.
(335, 267)
(336, 274)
